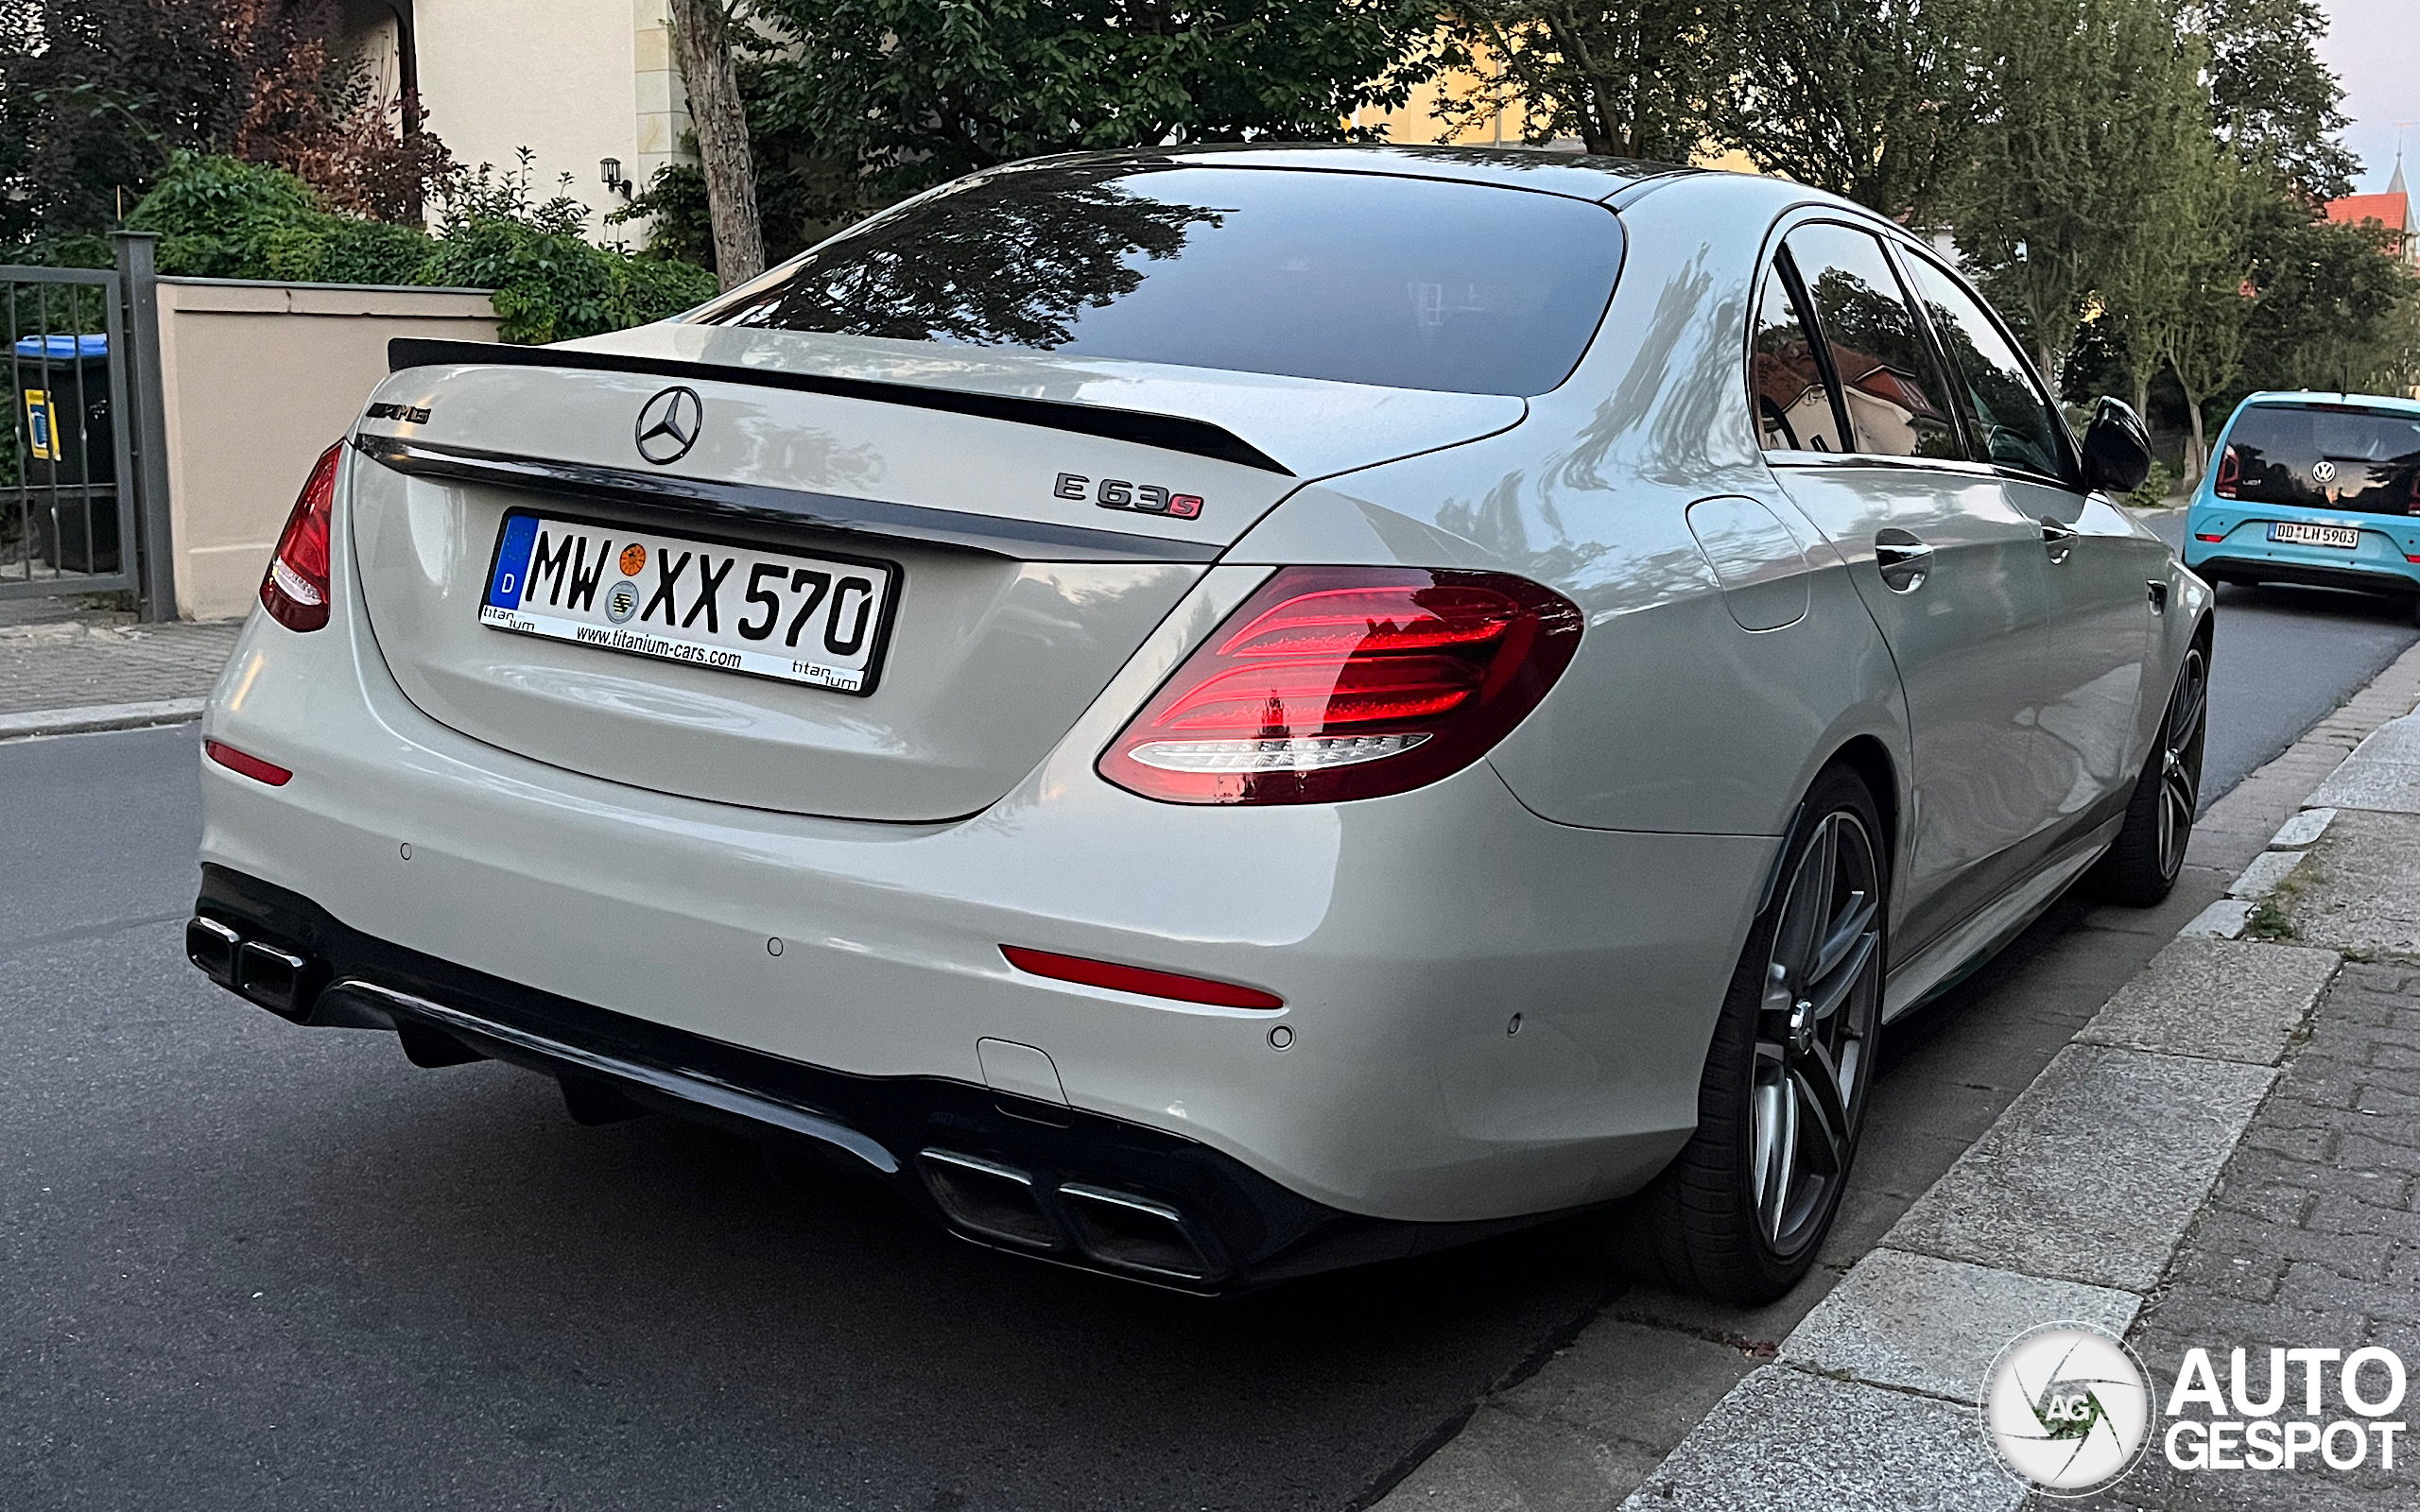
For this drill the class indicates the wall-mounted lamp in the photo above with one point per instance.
(611, 169)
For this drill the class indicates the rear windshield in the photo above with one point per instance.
(1409, 282)
(2323, 457)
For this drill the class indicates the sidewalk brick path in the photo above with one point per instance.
(2310, 1239)
(75, 662)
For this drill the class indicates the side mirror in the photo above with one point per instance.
(2117, 449)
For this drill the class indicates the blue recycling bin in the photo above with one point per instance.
(67, 450)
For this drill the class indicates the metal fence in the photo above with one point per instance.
(83, 494)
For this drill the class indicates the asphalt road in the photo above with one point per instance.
(2281, 660)
(244, 1264)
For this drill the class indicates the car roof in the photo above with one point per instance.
(1574, 175)
(2291, 398)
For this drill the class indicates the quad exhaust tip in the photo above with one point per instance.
(274, 978)
(1117, 1231)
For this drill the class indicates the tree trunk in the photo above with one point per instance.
(701, 31)
(2197, 457)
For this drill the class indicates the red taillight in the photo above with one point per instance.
(2230, 473)
(250, 765)
(1138, 979)
(295, 590)
(1343, 683)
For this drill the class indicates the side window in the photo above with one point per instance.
(1795, 411)
(2014, 426)
(1896, 402)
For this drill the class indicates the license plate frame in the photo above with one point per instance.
(2307, 533)
(852, 675)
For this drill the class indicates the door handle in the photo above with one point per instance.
(2057, 538)
(1903, 560)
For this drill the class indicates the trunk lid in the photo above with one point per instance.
(969, 481)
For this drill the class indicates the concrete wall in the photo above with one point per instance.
(257, 379)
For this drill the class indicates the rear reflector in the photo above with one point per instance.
(1138, 979)
(2199, 536)
(249, 765)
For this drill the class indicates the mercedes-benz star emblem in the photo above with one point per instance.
(668, 425)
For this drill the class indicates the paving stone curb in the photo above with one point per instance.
(93, 717)
(2024, 1228)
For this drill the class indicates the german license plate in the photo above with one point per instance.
(2297, 533)
(821, 621)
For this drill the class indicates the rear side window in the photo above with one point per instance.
(1409, 283)
(2322, 456)
(1896, 402)
(2014, 425)
(1794, 405)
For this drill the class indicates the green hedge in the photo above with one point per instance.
(222, 217)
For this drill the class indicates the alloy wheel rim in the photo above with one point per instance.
(1814, 1028)
(2180, 783)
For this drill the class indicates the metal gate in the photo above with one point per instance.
(83, 433)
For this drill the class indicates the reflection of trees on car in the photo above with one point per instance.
(2004, 406)
(1882, 369)
(1008, 262)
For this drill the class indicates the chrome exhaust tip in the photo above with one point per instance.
(212, 946)
(997, 1202)
(272, 978)
(1122, 1231)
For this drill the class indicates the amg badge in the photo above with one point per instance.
(1117, 494)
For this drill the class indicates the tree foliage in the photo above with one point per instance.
(1872, 99)
(1629, 80)
(2081, 117)
(2277, 105)
(97, 97)
(858, 103)
(222, 217)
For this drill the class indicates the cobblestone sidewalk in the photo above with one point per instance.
(2311, 1237)
(83, 659)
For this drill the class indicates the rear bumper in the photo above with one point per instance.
(2379, 578)
(2245, 554)
(1056, 1183)
(1405, 934)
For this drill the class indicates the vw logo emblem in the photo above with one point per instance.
(668, 425)
(2323, 471)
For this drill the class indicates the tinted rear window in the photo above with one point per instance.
(2323, 457)
(1409, 282)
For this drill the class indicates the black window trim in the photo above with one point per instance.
(1784, 225)
(2071, 453)
(1794, 290)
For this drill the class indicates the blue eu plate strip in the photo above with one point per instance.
(513, 563)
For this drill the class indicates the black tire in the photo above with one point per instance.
(1718, 1219)
(2143, 865)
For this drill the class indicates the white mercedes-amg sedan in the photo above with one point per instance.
(1215, 715)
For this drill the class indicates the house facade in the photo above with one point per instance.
(575, 81)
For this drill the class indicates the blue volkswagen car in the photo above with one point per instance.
(2315, 488)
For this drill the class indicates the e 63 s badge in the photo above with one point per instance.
(1117, 494)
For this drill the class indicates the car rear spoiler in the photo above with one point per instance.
(1169, 433)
